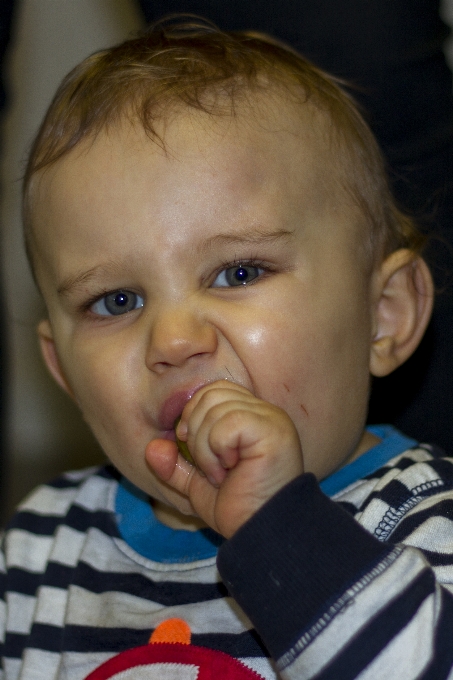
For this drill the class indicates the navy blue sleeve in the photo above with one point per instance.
(295, 555)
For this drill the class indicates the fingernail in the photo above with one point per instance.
(181, 429)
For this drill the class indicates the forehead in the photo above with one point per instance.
(268, 158)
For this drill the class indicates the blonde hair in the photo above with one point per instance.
(192, 63)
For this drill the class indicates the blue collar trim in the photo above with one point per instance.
(143, 532)
(393, 443)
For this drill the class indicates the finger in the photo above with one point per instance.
(205, 398)
(182, 477)
(201, 409)
(167, 463)
(216, 453)
(164, 459)
(230, 427)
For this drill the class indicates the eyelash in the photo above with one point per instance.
(86, 306)
(250, 262)
(227, 264)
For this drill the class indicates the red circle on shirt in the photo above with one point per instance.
(211, 664)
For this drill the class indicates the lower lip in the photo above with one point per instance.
(168, 434)
(174, 406)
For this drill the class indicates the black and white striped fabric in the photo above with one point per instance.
(355, 587)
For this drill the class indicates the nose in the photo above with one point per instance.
(179, 334)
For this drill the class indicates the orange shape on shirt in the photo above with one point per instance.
(172, 630)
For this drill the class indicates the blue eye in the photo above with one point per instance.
(239, 275)
(119, 302)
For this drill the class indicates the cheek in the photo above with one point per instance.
(305, 361)
(271, 346)
(103, 382)
(107, 389)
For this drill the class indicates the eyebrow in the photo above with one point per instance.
(255, 236)
(72, 282)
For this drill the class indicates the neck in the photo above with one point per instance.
(174, 519)
(367, 442)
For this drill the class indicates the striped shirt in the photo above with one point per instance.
(355, 586)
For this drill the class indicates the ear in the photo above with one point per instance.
(404, 302)
(49, 353)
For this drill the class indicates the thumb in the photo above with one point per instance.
(167, 463)
(163, 457)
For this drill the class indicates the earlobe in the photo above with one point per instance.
(49, 353)
(404, 299)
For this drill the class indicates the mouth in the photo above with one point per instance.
(174, 405)
(172, 409)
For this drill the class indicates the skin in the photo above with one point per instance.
(272, 377)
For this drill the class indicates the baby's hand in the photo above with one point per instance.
(245, 450)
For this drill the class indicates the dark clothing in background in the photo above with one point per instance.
(6, 19)
(391, 53)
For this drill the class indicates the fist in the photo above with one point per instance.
(244, 451)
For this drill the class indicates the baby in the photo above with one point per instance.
(208, 220)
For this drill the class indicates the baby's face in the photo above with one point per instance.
(235, 254)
